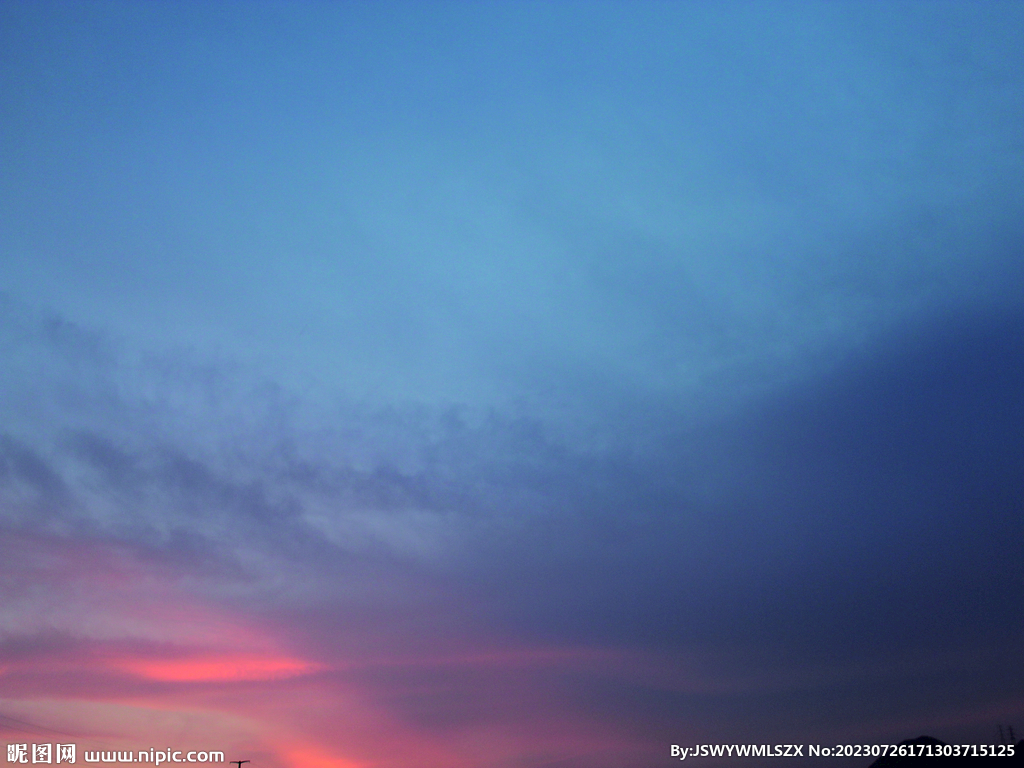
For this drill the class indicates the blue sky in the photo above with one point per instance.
(683, 336)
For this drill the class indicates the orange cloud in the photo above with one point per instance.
(312, 757)
(216, 667)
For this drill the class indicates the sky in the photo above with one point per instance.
(510, 384)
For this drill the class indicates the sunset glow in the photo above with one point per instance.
(215, 668)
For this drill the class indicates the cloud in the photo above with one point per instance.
(824, 541)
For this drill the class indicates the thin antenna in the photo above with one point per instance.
(1013, 739)
(239, 762)
(1001, 739)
